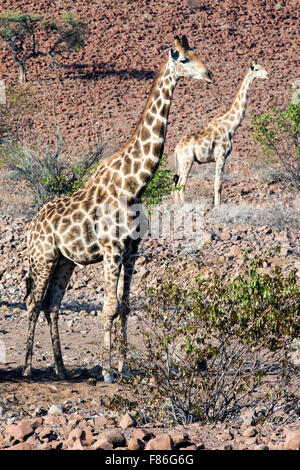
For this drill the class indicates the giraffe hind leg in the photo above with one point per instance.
(33, 314)
(36, 288)
(51, 304)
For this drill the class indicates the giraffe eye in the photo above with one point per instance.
(184, 61)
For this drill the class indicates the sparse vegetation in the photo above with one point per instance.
(210, 347)
(274, 214)
(22, 31)
(51, 170)
(278, 132)
(269, 174)
(161, 185)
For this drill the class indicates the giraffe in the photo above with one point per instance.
(101, 222)
(213, 143)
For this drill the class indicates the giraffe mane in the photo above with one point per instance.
(148, 102)
(117, 154)
(237, 92)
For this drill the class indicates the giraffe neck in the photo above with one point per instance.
(236, 112)
(146, 146)
(129, 171)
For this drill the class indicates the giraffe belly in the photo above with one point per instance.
(203, 155)
(83, 255)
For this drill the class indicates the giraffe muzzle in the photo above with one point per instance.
(209, 77)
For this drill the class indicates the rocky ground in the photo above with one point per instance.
(56, 430)
(82, 402)
(105, 87)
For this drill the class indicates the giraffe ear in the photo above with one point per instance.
(185, 43)
(177, 43)
(174, 54)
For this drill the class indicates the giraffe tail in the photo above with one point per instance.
(176, 176)
(28, 286)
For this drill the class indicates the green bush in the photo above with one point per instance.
(278, 131)
(161, 185)
(49, 169)
(209, 346)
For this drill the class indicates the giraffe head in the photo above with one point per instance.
(186, 63)
(258, 71)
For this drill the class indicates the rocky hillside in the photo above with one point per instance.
(105, 85)
(103, 89)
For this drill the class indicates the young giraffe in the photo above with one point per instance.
(213, 144)
(101, 220)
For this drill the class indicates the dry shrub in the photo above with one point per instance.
(210, 349)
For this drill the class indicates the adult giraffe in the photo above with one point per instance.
(213, 144)
(100, 221)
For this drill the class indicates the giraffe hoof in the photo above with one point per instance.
(61, 374)
(27, 372)
(108, 378)
(125, 374)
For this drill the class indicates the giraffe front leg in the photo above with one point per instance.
(185, 162)
(222, 152)
(181, 194)
(220, 164)
(124, 306)
(176, 196)
(109, 316)
(112, 267)
(52, 319)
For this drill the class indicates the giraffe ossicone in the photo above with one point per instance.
(95, 224)
(213, 143)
